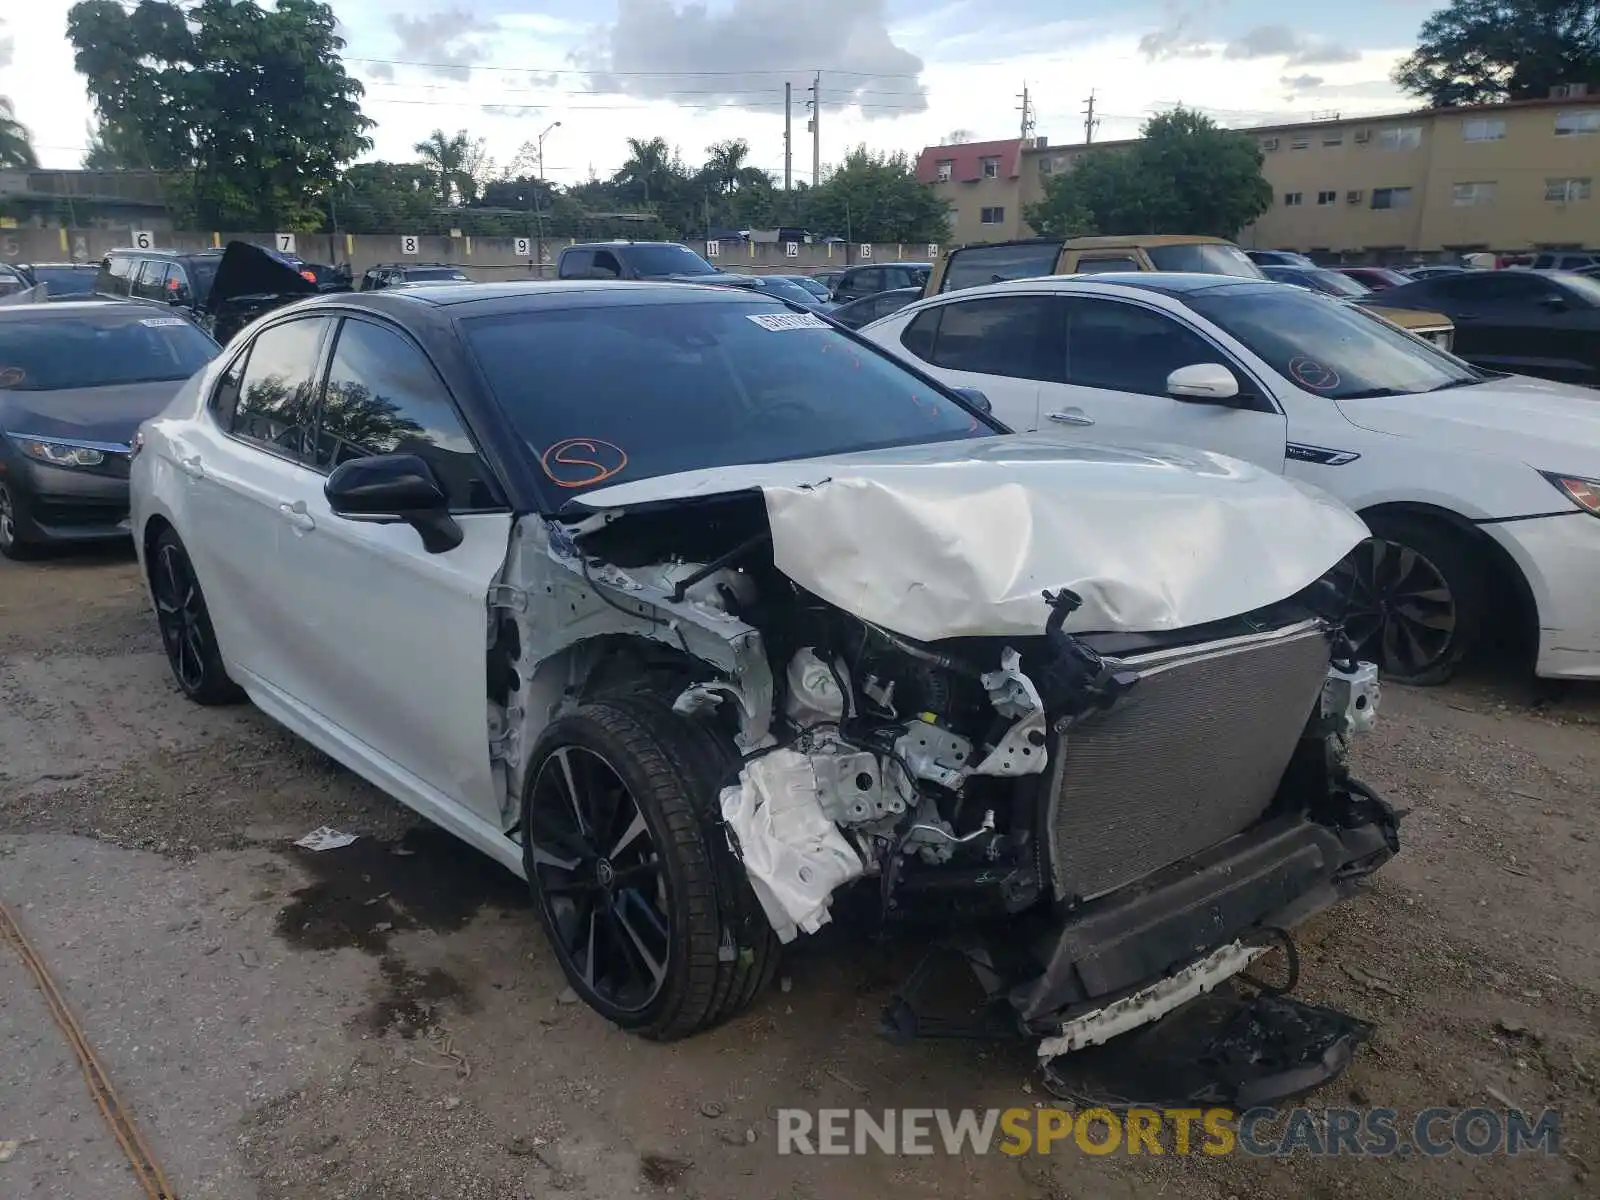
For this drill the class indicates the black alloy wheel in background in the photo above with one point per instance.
(186, 632)
(1413, 599)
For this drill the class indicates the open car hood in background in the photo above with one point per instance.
(250, 270)
(961, 538)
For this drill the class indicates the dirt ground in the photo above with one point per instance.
(387, 1021)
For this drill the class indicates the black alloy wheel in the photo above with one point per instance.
(599, 874)
(186, 631)
(11, 544)
(651, 917)
(1413, 599)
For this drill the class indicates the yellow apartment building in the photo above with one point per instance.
(1504, 177)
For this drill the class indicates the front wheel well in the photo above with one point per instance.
(1513, 615)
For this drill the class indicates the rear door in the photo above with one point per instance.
(1505, 320)
(237, 467)
(1117, 356)
(392, 652)
(997, 344)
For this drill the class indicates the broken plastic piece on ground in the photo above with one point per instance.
(325, 838)
(794, 855)
(1227, 1049)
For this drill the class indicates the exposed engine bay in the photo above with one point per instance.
(1079, 813)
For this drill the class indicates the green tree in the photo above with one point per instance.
(1485, 51)
(16, 148)
(875, 197)
(725, 164)
(250, 107)
(652, 170)
(113, 149)
(384, 197)
(1185, 175)
(458, 163)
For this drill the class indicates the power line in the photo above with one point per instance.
(796, 71)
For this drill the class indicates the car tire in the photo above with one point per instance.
(688, 948)
(12, 544)
(1415, 595)
(186, 632)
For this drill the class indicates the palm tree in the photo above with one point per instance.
(449, 158)
(725, 161)
(16, 150)
(649, 164)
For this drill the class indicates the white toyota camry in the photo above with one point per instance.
(694, 610)
(1483, 489)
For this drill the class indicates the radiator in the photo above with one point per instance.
(1191, 756)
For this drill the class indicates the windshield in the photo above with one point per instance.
(787, 288)
(810, 285)
(1207, 258)
(1330, 348)
(668, 260)
(67, 281)
(1331, 282)
(1583, 285)
(625, 392)
(83, 352)
(415, 273)
(979, 265)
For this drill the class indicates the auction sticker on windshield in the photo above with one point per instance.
(778, 322)
(162, 322)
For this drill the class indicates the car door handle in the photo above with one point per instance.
(297, 516)
(1071, 416)
(192, 467)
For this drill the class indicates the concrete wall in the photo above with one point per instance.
(482, 258)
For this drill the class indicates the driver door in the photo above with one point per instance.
(395, 644)
(1117, 356)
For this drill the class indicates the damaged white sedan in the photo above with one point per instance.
(702, 614)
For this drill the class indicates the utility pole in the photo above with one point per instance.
(1027, 113)
(1090, 122)
(816, 130)
(788, 139)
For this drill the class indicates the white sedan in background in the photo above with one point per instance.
(1482, 489)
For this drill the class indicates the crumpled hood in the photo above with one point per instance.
(250, 270)
(960, 538)
(103, 414)
(1550, 426)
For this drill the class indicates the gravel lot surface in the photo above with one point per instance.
(386, 1021)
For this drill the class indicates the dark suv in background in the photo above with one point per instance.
(671, 261)
(388, 274)
(868, 279)
(181, 277)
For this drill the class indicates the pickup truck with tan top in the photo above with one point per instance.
(994, 262)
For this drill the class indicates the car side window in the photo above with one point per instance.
(575, 262)
(1095, 266)
(606, 261)
(151, 281)
(1125, 348)
(114, 278)
(275, 408)
(999, 335)
(384, 397)
(1497, 287)
(920, 332)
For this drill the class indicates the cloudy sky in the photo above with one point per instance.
(895, 73)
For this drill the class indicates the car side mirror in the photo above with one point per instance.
(390, 489)
(975, 398)
(1203, 383)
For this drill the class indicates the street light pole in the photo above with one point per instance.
(538, 212)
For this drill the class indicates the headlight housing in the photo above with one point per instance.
(1585, 493)
(59, 453)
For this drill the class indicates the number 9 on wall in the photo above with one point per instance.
(408, 243)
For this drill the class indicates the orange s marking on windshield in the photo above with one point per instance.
(582, 462)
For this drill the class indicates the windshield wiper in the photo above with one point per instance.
(1455, 383)
(1374, 393)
